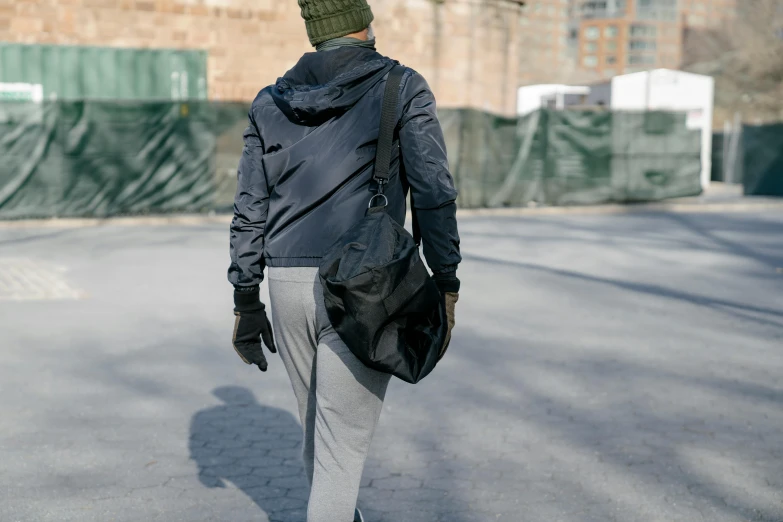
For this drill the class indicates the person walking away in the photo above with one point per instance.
(305, 177)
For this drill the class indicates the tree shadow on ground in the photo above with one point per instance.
(256, 448)
(710, 232)
(767, 316)
(18, 237)
(616, 432)
(703, 232)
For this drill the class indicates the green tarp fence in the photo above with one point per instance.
(95, 158)
(69, 159)
(571, 157)
(762, 153)
(719, 141)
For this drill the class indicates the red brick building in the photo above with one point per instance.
(622, 36)
(474, 54)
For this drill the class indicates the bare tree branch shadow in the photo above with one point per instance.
(708, 232)
(732, 307)
(644, 424)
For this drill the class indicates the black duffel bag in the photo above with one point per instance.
(379, 296)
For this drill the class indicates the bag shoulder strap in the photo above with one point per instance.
(391, 97)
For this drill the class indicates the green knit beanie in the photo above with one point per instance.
(327, 19)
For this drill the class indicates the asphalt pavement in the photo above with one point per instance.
(619, 367)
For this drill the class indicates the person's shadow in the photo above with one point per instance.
(255, 447)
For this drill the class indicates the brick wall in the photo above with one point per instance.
(473, 53)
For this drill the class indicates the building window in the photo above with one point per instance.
(611, 46)
(611, 60)
(591, 47)
(657, 10)
(643, 31)
(589, 61)
(610, 31)
(641, 45)
(592, 33)
(641, 59)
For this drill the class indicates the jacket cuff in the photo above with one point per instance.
(447, 282)
(247, 299)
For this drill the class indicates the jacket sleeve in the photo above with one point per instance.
(433, 194)
(251, 205)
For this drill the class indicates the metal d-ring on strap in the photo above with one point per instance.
(385, 200)
(386, 131)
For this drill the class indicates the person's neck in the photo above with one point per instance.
(361, 35)
(360, 39)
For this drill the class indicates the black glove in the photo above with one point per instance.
(448, 284)
(250, 327)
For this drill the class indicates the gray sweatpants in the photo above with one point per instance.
(339, 398)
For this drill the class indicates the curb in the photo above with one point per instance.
(636, 208)
(125, 221)
(225, 219)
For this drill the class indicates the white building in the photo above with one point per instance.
(676, 91)
(656, 90)
(533, 97)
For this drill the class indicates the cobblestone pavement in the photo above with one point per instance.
(604, 368)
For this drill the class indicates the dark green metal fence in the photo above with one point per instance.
(762, 159)
(66, 72)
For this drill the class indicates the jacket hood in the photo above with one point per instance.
(326, 84)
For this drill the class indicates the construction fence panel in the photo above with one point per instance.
(762, 153)
(101, 158)
(571, 157)
(67, 159)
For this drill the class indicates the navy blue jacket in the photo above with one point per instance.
(306, 171)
